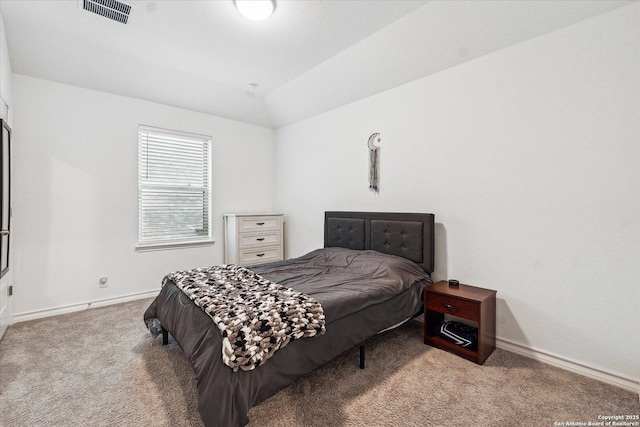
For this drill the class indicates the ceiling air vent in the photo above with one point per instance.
(112, 9)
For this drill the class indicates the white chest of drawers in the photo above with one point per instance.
(253, 238)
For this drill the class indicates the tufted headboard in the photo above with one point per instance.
(409, 235)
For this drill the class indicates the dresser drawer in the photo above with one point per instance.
(263, 239)
(258, 256)
(452, 305)
(253, 224)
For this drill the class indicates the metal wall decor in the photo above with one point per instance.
(374, 163)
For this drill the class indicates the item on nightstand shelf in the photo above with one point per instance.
(463, 335)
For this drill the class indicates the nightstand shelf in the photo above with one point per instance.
(477, 305)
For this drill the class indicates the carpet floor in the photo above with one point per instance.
(100, 367)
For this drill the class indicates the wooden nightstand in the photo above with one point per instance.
(466, 302)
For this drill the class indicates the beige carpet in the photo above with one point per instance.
(100, 367)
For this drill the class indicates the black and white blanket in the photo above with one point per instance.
(255, 316)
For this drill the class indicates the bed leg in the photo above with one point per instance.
(165, 335)
(362, 357)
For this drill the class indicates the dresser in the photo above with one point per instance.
(253, 238)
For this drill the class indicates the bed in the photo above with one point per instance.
(368, 277)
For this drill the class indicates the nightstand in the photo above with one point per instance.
(467, 302)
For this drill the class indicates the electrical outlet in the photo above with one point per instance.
(103, 282)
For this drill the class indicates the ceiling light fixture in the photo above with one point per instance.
(256, 10)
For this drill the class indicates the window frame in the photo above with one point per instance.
(160, 243)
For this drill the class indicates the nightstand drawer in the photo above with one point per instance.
(264, 239)
(452, 305)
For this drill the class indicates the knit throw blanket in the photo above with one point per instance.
(255, 316)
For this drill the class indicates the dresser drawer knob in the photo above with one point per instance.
(259, 239)
(451, 307)
(259, 223)
(259, 255)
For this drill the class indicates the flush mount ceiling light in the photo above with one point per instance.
(256, 10)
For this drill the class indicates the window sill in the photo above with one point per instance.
(170, 246)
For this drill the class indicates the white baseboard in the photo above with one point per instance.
(570, 365)
(39, 314)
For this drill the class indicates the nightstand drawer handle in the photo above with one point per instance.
(259, 223)
(259, 239)
(451, 307)
(259, 255)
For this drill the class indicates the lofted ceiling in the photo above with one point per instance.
(311, 56)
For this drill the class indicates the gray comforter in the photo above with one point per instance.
(361, 292)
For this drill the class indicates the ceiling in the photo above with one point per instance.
(311, 56)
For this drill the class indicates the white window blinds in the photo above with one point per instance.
(173, 187)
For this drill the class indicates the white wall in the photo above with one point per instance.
(529, 159)
(75, 191)
(5, 67)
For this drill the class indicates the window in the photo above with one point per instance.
(173, 187)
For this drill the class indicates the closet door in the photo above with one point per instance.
(5, 223)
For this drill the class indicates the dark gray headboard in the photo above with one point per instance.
(409, 235)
